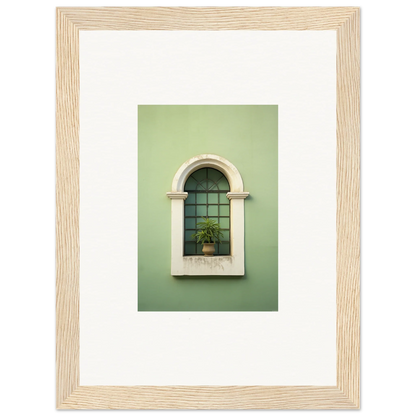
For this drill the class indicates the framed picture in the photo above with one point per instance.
(208, 208)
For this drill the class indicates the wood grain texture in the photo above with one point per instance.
(69, 394)
(208, 18)
(67, 208)
(207, 397)
(348, 207)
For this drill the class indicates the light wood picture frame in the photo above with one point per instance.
(69, 393)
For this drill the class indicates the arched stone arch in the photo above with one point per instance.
(208, 161)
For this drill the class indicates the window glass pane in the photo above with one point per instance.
(209, 184)
(224, 222)
(190, 248)
(214, 174)
(223, 184)
(226, 235)
(190, 210)
(213, 187)
(212, 210)
(224, 248)
(224, 199)
(188, 235)
(201, 211)
(190, 199)
(200, 174)
(212, 198)
(190, 184)
(199, 249)
(201, 198)
(224, 210)
(189, 223)
(206, 184)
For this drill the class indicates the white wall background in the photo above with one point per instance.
(295, 346)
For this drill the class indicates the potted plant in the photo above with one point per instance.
(209, 232)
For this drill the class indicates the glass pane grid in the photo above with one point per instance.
(207, 189)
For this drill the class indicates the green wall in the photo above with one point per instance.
(168, 136)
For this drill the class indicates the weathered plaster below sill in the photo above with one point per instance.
(209, 266)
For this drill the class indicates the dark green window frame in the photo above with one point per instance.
(207, 196)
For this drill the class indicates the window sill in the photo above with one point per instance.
(208, 266)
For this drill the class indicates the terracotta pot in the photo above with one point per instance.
(208, 249)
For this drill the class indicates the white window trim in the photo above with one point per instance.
(232, 265)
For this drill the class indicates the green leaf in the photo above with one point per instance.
(208, 231)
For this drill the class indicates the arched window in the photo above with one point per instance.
(207, 185)
(207, 197)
